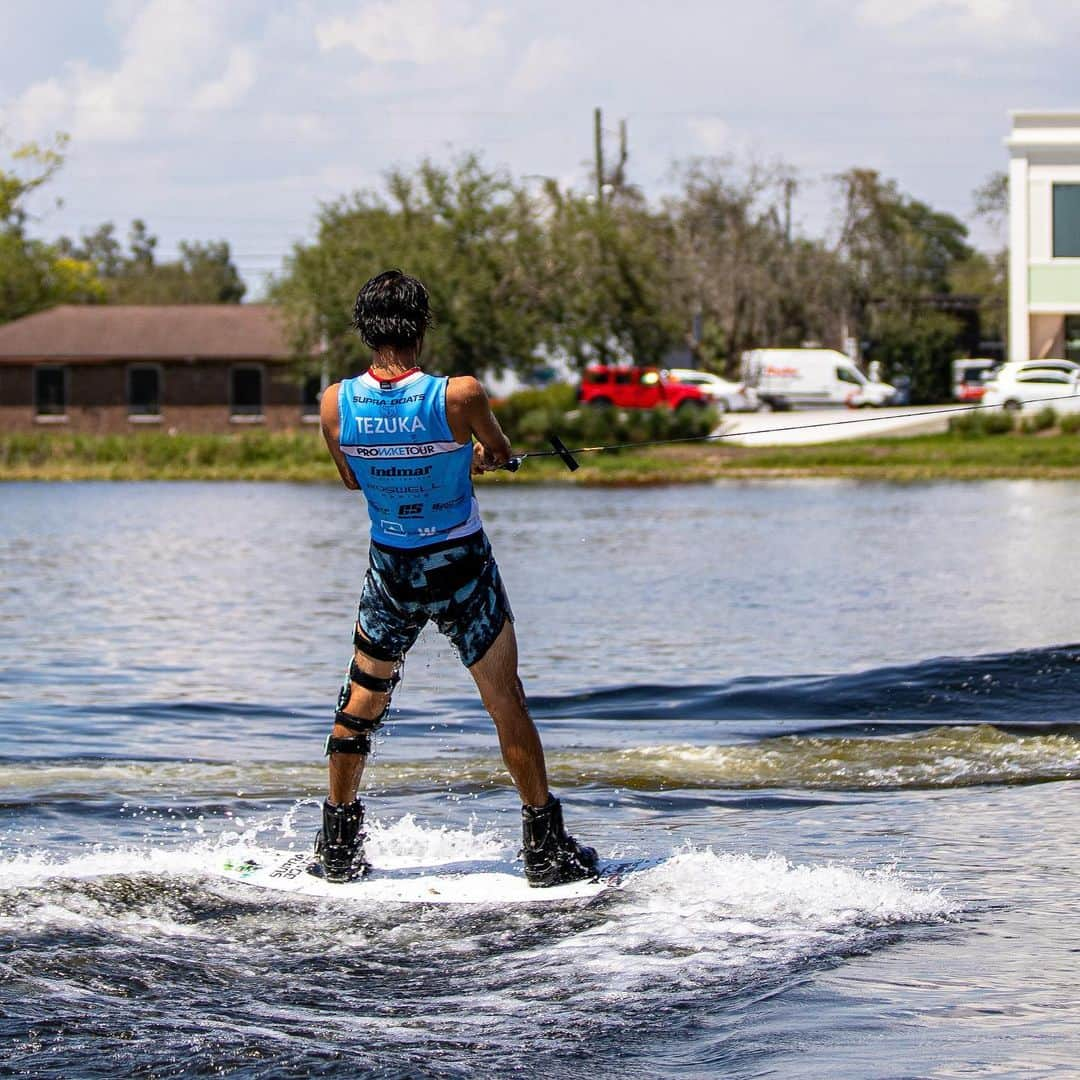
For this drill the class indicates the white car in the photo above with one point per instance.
(1028, 383)
(726, 396)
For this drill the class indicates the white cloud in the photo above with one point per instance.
(169, 56)
(545, 65)
(1002, 20)
(237, 78)
(415, 31)
(713, 136)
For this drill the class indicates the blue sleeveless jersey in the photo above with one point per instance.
(415, 476)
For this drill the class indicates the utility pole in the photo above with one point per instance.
(598, 139)
(789, 190)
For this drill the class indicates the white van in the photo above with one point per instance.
(786, 377)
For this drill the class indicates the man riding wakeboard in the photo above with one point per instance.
(405, 439)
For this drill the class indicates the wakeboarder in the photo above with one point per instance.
(429, 559)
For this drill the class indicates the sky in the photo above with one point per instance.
(233, 121)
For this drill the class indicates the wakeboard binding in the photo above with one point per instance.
(552, 856)
(339, 844)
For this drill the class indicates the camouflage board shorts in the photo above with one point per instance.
(455, 584)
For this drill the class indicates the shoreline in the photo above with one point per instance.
(290, 458)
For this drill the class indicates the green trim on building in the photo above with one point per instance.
(1054, 285)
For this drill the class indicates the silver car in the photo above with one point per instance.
(726, 396)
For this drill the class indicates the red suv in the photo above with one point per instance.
(637, 388)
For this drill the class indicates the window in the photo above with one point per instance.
(1067, 221)
(848, 375)
(50, 391)
(1043, 377)
(1072, 337)
(624, 378)
(309, 397)
(247, 391)
(144, 390)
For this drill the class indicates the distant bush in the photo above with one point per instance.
(977, 424)
(529, 417)
(1070, 423)
(1043, 420)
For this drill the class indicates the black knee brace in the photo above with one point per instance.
(364, 728)
(360, 742)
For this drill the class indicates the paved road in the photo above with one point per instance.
(878, 423)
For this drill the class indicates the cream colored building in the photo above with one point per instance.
(1044, 235)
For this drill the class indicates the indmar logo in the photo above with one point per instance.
(397, 470)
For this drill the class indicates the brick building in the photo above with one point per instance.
(182, 367)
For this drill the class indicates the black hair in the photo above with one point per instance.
(392, 309)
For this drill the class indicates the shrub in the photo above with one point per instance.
(529, 417)
(1043, 420)
(977, 424)
(1070, 423)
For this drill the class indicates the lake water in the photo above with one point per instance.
(850, 712)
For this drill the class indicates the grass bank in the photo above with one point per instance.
(301, 458)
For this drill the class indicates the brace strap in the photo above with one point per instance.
(350, 744)
(372, 682)
(360, 724)
(376, 652)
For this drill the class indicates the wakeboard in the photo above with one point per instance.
(402, 881)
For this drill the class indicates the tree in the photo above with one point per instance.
(897, 249)
(987, 275)
(204, 273)
(469, 234)
(739, 272)
(920, 347)
(33, 274)
(901, 257)
(604, 278)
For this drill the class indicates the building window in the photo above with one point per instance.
(50, 391)
(1072, 338)
(247, 391)
(309, 398)
(144, 390)
(1067, 221)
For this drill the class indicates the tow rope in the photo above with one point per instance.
(569, 457)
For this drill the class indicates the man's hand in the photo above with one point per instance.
(470, 417)
(483, 460)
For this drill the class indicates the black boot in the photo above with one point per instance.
(339, 844)
(552, 857)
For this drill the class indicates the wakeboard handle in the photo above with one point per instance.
(560, 451)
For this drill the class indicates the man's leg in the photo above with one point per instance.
(364, 697)
(496, 676)
(552, 856)
(363, 704)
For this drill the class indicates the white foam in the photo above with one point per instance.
(702, 916)
(698, 917)
(405, 839)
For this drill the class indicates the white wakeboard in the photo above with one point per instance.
(401, 881)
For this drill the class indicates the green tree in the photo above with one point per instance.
(33, 274)
(468, 233)
(204, 273)
(603, 280)
(738, 269)
(921, 346)
(986, 275)
(900, 254)
(897, 249)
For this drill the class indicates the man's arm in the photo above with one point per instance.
(331, 429)
(469, 413)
